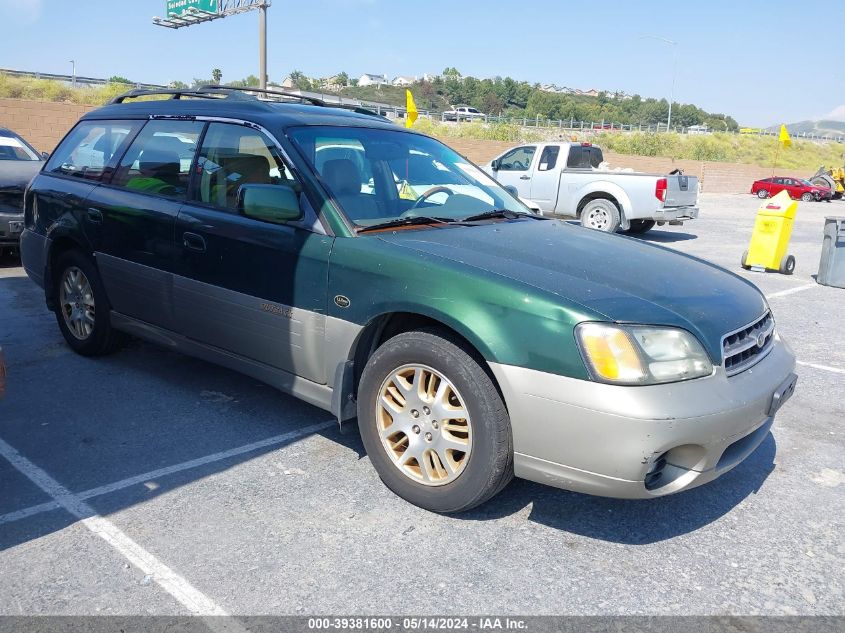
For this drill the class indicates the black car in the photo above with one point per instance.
(19, 162)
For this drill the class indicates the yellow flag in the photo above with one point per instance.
(411, 107)
(784, 136)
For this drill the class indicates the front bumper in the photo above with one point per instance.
(11, 227)
(610, 440)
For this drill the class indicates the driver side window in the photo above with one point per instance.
(518, 159)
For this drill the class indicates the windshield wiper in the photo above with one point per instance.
(501, 213)
(417, 220)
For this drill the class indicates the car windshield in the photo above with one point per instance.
(379, 175)
(15, 148)
(806, 183)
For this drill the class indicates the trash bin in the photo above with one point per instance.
(770, 240)
(832, 264)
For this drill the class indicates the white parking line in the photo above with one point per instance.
(196, 602)
(790, 291)
(169, 470)
(835, 370)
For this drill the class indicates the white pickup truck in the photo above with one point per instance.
(567, 179)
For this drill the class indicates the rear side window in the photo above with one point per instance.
(92, 149)
(548, 159)
(234, 155)
(584, 157)
(160, 158)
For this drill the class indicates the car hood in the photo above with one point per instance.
(618, 278)
(14, 177)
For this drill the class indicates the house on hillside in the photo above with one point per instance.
(592, 92)
(402, 80)
(287, 83)
(372, 80)
(332, 84)
(429, 77)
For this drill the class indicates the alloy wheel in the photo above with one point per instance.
(424, 425)
(76, 300)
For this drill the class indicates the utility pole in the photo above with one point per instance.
(73, 74)
(674, 46)
(262, 45)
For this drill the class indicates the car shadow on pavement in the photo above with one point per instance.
(634, 522)
(665, 237)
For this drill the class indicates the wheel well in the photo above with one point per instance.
(596, 196)
(385, 327)
(59, 247)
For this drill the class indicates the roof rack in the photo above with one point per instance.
(233, 92)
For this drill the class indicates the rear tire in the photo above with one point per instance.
(638, 227)
(601, 214)
(82, 308)
(762, 194)
(394, 374)
(787, 265)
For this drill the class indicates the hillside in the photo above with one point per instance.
(819, 128)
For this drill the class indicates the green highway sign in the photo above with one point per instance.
(178, 7)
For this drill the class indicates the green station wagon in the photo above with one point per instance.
(375, 273)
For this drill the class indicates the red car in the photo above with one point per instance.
(798, 189)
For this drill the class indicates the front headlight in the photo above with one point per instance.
(641, 354)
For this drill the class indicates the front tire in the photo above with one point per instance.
(601, 214)
(82, 308)
(433, 423)
(807, 197)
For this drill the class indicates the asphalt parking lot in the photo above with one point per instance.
(194, 488)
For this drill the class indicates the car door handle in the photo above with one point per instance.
(95, 216)
(194, 242)
(525, 177)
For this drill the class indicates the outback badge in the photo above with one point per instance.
(342, 302)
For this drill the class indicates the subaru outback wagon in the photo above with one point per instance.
(472, 339)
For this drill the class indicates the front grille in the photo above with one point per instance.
(747, 346)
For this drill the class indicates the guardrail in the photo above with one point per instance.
(70, 79)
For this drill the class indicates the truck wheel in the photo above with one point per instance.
(807, 197)
(639, 227)
(82, 309)
(762, 194)
(433, 423)
(600, 214)
(787, 265)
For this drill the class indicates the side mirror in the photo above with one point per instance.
(45, 155)
(494, 165)
(278, 204)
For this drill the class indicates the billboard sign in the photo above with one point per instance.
(176, 8)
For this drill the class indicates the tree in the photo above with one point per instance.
(216, 76)
(117, 79)
(342, 78)
(452, 73)
(178, 85)
(300, 80)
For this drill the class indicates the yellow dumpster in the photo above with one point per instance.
(770, 240)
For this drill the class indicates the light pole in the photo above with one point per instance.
(674, 46)
(262, 46)
(73, 74)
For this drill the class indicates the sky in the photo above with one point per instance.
(762, 62)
